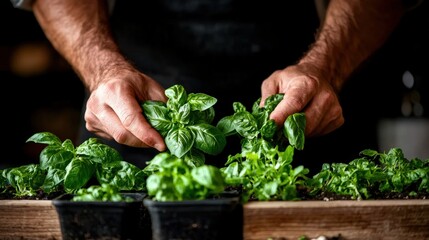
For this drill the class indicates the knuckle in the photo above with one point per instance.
(89, 127)
(295, 102)
(128, 120)
(312, 83)
(119, 136)
(147, 140)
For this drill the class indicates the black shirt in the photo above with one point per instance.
(223, 48)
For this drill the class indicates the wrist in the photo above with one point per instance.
(321, 68)
(98, 63)
(94, 70)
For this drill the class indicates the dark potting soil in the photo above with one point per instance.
(304, 195)
(375, 195)
(9, 194)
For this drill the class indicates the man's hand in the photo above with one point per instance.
(351, 31)
(113, 109)
(117, 89)
(304, 92)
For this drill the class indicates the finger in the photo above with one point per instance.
(92, 124)
(295, 100)
(329, 123)
(130, 115)
(333, 125)
(324, 114)
(284, 109)
(314, 116)
(269, 87)
(109, 126)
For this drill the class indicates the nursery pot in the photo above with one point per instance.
(217, 218)
(103, 220)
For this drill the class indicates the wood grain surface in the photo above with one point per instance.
(368, 219)
(28, 219)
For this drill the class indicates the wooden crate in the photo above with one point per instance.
(368, 219)
(29, 219)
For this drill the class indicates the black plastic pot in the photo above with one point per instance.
(217, 218)
(103, 220)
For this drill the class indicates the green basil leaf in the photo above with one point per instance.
(272, 101)
(179, 141)
(54, 179)
(194, 158)
(226, 125)
(210, 177)
(177, 96)
(238, 107)
(246, 125)
(208, 138)
(54, 156)
(153, 184)
(206, 116)
(45, 138)
(158, 116)
(201, 101)
(294, 130)
(268, 129)
(98, 152)
(121, 174)
(78, 173)
(183, 115)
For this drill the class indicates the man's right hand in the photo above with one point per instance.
(113, 110)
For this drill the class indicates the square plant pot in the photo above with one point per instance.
(217, 218)
(103, 220)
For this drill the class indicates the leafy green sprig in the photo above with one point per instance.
(173, 179)
(264, 167)
(64, 167)
(373, 171)
(185, 123)
(104, 193)
(271, 177)
(25, 180)
(258, 133)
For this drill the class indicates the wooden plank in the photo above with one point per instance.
(369, 219)
(29, 219)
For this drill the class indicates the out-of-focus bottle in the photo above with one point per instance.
(410, 130)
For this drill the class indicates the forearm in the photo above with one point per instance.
(79, 31)
(351, 32)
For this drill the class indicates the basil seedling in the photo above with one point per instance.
(185, 122)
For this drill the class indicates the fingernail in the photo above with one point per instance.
(159, 147)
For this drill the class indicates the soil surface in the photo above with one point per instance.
(391, 196)
(8, 194)
(376, 195)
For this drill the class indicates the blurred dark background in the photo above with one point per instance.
(42, 93)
